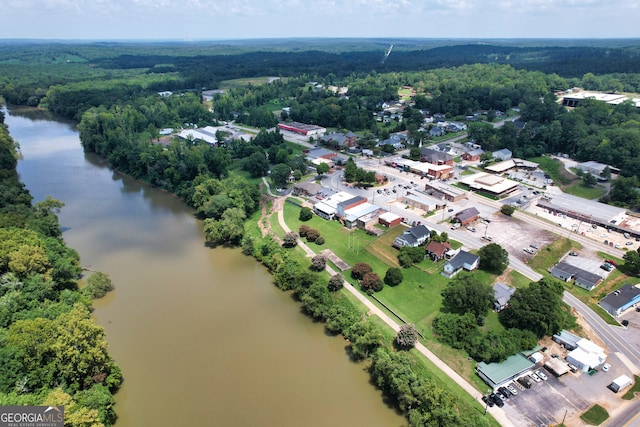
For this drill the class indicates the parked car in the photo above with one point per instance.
(488, 400)
(534, 246)
(471, 229)
(535, 377)
(572, 253)
(606, 367)
(542, 375)
(512, 389)
(498, 401)
(529, 251)
(625, 323)
(506, 393)
(612, 262)
(487, 238)
(573, 368)
(525, 382)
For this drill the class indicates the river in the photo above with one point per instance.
(202, 336)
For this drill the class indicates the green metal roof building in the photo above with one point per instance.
(498, 374)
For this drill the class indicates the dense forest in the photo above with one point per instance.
(51, 350)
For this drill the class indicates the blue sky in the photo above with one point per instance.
(241, 19)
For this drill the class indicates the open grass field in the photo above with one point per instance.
(631, 393)
(586, 192)
(555, 169)
(417, 299)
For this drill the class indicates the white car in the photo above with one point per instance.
(512, 389)
(535, 377)
(542, 375)
(606, 367)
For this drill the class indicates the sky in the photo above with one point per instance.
(250, 19)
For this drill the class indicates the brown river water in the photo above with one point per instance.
(202, 336)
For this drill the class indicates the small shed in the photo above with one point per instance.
(556, 366)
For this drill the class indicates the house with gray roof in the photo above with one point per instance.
(467, 215)
(462, 261)
(619, 301)
(504, 154)
(413, 237)
(437, 131)
(566, 272)
(339, 140)
(502, 293)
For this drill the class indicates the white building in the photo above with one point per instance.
(587, 355)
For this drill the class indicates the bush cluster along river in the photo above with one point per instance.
(202, 336)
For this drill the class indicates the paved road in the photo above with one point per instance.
(496, 412)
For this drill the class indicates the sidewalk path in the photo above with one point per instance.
(496, 412)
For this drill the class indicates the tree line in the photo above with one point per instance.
(51, 350)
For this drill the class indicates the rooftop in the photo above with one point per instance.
(622, 297)
(500, 372)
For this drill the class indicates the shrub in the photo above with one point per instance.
(98, 284)
(305, 214)
(290, 239)
(393, 277)
(312, 235)
(320, 240)
(303, 230)
(507, 210)
(318, 263)
(335, 283)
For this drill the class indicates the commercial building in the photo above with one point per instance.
(303, 128)
(493, 184)
(389, 219)
(206, 134)
(328, 207)
(621, 300)
(423, 201)
(363, 215)
(499, 374)
(566, 339)
(587, 355)
(466, 216)
(441, 189)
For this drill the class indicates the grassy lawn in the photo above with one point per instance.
(518, 280)
(417, 299)
(549, 255)
(595, 415)
(631, 393)
(555, 169)
(586, 192)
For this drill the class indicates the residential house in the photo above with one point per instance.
(566, 272)
(466, 216)
(437, 131)
(437, 250)
(338, 140)
(504, 154)
(306, 188)
(435, 157)
(415, 236)
(463, 261)
(473, 155)
(502, 293)
(456, 127)
(619, 301)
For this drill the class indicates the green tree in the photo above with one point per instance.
(364, 337)
(393, 277)
(589, 180)
(407, 336)
(467, 294)
(290, 239)
(336, 282)
(305, 214)
(537, 308)
(322, 169)
(493, 258)
(318, 262)
(507, 210)
(229, 229)
(280, 174)
(632, 262)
